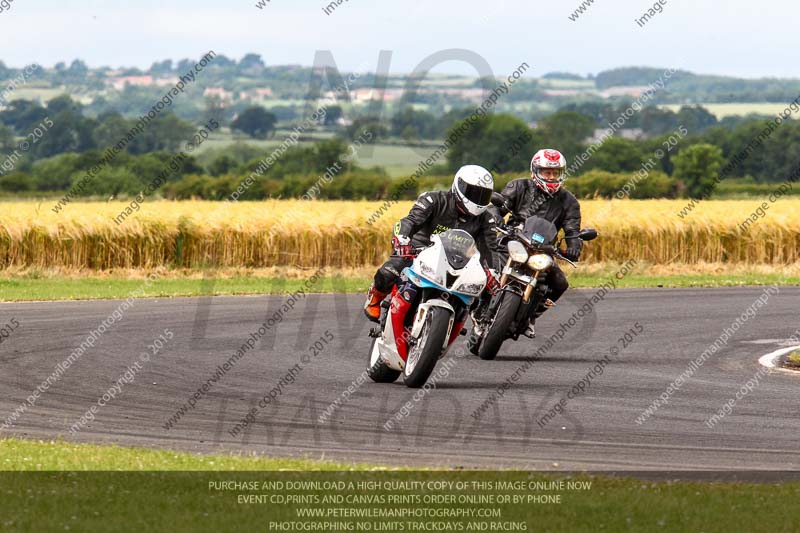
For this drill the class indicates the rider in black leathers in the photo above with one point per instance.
(542, 195)
(463, 207)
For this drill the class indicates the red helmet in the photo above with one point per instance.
(549, 159)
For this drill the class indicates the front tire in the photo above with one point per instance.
(377, 370)
(496, 333)
(422, 357)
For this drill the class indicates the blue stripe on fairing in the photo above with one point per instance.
(427, 284)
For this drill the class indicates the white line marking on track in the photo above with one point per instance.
(771, 359)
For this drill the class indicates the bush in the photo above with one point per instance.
(355, 185)
(745, 188)
(696, 167)
(598, 183)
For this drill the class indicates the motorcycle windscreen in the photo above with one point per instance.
(459, 247)
(539, 230)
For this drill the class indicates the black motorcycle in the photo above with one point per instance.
(522, 296)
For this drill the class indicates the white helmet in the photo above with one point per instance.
(549, 159)
(473, 187)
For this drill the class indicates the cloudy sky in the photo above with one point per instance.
(734, 37)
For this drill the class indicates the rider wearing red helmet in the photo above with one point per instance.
(548, 170)
(544, 196)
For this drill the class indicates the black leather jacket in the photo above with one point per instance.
(524, 199)
(436, 212)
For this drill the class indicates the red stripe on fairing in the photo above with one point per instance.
(397, 313)
(456, 330)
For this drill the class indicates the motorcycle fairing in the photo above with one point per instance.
(431, 269)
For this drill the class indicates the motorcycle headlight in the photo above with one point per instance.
(540, 262)
(471, 288)
(430, 273)
(517, 252)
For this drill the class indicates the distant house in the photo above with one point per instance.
(367, 95)
(219, 92)
(256, 95)
(632, 134)
(330, 96)
(625, 90)
(119, 82)
(562, 92)
(473, 94)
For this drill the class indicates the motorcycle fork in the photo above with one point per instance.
(459, 320)
(526, 296)
(504, 277)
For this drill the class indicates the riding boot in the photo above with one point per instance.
(372, 308)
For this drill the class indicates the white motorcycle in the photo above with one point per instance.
(427, 310)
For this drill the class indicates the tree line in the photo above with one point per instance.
(675, 164)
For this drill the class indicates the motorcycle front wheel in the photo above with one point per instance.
(422, 356)
(495, 334)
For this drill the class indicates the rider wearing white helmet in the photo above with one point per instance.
(464, 207)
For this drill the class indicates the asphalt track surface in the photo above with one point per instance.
(598, 430)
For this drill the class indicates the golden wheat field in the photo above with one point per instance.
(336, 234)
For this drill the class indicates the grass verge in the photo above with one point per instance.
(205, 500)
(793, 361)
(35, 456)
(37, 286)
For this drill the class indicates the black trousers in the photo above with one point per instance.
(557, 282)
(388, 274)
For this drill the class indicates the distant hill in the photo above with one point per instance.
(563, 76)
(687, 87)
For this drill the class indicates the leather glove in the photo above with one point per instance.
(504, 207)
(573, 252)
(492, 283)
(402, 245)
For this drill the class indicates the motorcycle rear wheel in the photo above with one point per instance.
(495, 334)
(423, 355)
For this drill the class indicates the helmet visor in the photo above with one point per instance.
(551, 174)
(477, 194)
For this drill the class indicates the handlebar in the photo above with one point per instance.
(546, 248)
(558, 254)
(410, 256)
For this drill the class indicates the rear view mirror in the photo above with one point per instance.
(588, 234)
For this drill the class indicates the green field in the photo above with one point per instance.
(398, 160)
(29, 92)
(269, 103)
(433, 80)
(58, 486)
(38, 287)
(557, 83)
(26, 455)
(737, 108)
